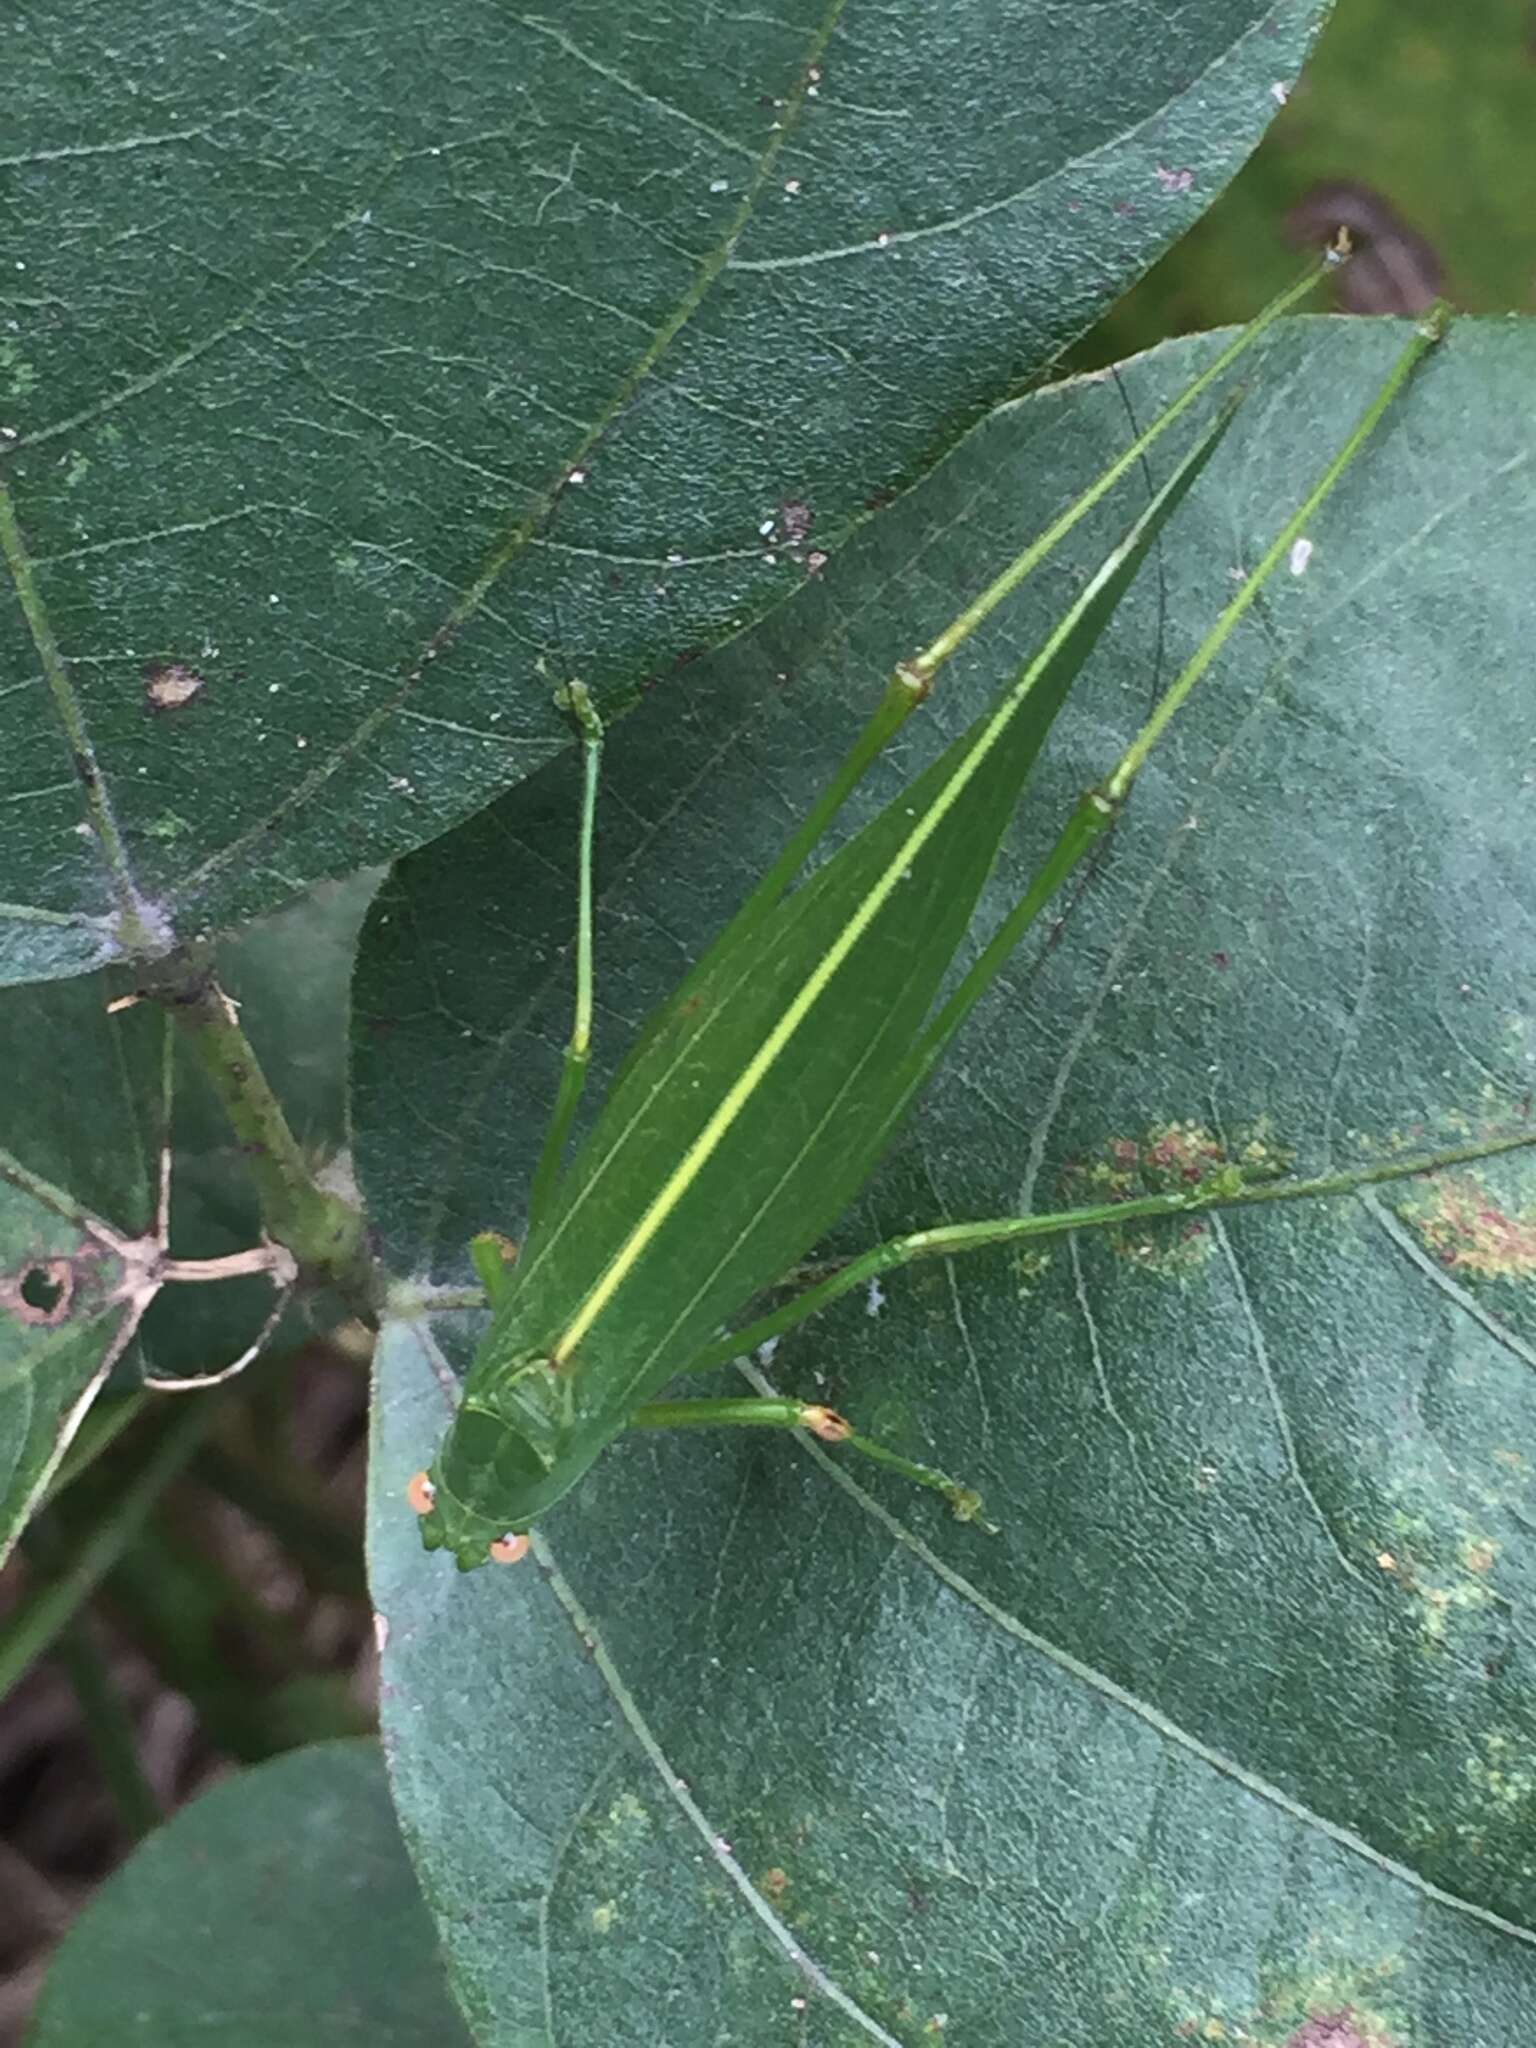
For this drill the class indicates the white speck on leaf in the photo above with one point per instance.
(1301, 554)
(1279, 92)
(875, 1299)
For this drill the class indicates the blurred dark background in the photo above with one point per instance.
(1425, 113)
(228, 1619)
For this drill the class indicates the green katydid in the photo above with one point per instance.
(797, 1043)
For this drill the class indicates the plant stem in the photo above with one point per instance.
(110, 1727)
(283, 1499)
(324, 1232)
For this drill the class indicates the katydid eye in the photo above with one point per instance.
(421, 1494)
(509, 1549)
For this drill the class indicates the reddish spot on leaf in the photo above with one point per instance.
(1336, 2030)
(1469, 1232)
(795, 520)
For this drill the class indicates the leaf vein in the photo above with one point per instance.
(1161, 1724)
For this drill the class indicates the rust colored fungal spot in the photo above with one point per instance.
(169, 685)
(775, 1882)
(1469, 1232)
(1337, 2030)
(40, 1293)
(509, 1549)
(421, 1494)
(1171, 1159)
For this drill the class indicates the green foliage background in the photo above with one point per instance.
(1180, 1751)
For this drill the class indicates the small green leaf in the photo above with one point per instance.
(277, 1909)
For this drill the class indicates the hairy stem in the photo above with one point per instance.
(323, 1231)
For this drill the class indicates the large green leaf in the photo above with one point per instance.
(277, 1910)
(315, 313)
(1228, 1734)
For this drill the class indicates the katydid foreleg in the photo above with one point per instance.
(578, 1052)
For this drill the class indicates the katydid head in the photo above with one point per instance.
(469, 1501)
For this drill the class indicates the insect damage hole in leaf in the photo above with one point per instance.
(44, 1292)
(76, 1299)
